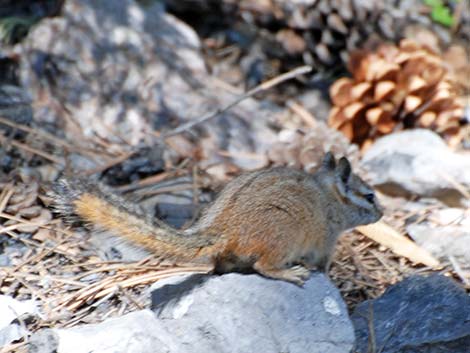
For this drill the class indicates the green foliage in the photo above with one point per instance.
(15, 28)
(433, 3)
(440, 12)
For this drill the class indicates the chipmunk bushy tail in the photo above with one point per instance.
(98, 206)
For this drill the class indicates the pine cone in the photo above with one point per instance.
(276, 35)
(331, 29)
(305, 149)
(456, 58)
(395, 88)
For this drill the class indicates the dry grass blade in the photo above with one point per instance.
(14, 348)
(41, 133)
(47, 137)
(5, 196)
(27, 222)
(399, 244)
(151, 180)
(465, 278)
(303, 113)
(32, 150)
(457, 185)
(107, 165)
(29, 276)
(123, 280)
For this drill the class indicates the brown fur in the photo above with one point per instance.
(279, 222)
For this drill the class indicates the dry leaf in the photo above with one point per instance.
(399, 244)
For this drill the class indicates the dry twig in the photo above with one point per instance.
(260, 88)
(48, 156)
(303, 113)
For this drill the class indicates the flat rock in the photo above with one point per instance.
(229, 313)
(417, 162)
(155, 76)
(240, 313)
(445, 234)
(10, 310)
(418, 315)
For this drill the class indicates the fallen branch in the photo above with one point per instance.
(260, 88)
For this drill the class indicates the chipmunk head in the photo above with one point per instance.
(351, 191)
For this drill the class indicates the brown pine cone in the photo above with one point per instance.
(393, 88)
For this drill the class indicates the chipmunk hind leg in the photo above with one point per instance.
(294, 274)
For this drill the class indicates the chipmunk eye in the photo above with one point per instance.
(369, 197)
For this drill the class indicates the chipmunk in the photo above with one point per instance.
(279, 222)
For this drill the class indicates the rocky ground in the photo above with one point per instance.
(100, 89)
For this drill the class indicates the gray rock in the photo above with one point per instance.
(15, 105)
(443, 241)
(419, 315)
(10, 310)
(229, 313)
(44, 341)
(155, 72)
(248, 313)
(417, 162)
(316, 104)
(4, 260)
(445, 234)
(138, 332)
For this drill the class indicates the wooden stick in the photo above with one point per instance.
(260, 88)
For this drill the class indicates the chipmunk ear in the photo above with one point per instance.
(328, 162)
(343, 170)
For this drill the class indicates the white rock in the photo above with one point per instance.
(11, 309)
(443, 241)
(219, 314)
(417, 162)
